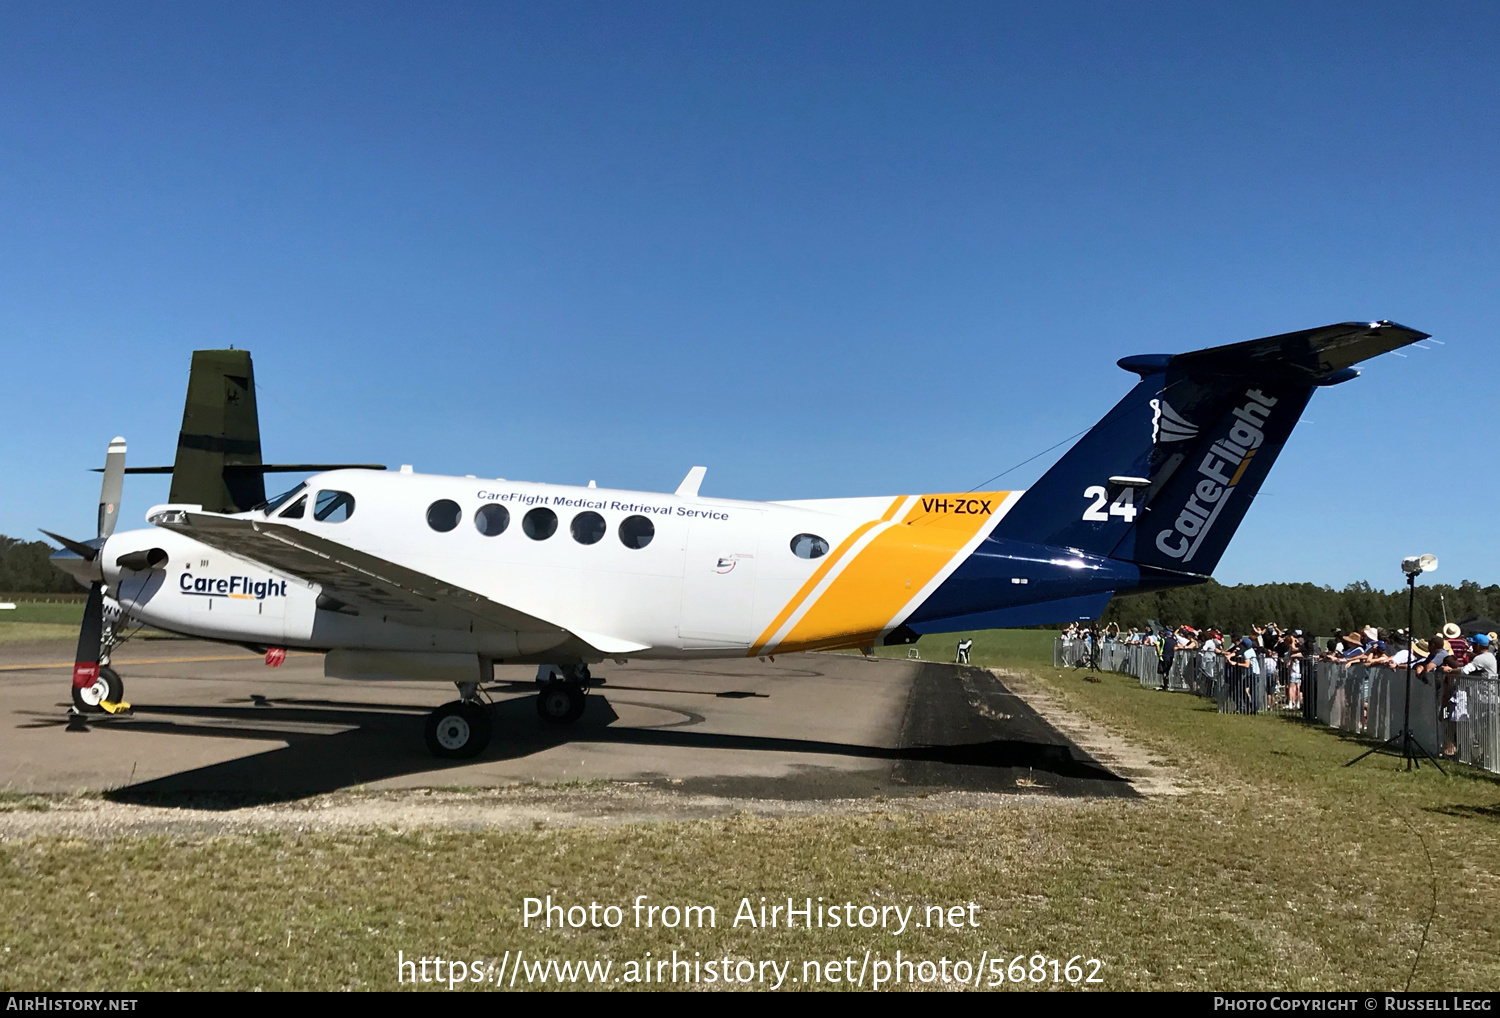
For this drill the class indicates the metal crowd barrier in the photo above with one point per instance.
(1459, 714)
(1475, 717)
(1372, 702)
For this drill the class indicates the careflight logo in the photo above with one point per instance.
(241, 588)
(1221, 470)
(1167, 425)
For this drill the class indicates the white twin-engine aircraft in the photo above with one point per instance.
(414, 576)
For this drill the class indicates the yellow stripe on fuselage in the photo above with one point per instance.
(890, 570)
(823, 570)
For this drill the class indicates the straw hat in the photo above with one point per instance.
(1451, 631)
(1420, 647)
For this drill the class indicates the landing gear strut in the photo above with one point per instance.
(564, 693)
(461, 729)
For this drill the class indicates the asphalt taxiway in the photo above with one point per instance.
(213, 719)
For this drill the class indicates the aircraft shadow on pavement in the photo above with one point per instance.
(338, 744)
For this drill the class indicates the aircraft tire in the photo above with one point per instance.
(458, 730)
(561, 703)
(108, 686)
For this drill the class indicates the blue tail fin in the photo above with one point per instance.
(1166, 477)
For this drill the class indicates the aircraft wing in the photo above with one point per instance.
(368, 582)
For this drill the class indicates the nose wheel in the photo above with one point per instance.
(458, 730)
(107, 689)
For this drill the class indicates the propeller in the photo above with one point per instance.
(95, 690)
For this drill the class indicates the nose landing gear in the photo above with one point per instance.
(104, 695)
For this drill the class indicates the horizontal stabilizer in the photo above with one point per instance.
(266, 468)
(1165, 478)
(1310, 354)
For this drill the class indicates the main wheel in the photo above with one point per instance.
(107, 686)
(561, 703)
(458, 730)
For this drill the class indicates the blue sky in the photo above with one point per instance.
(825, 249)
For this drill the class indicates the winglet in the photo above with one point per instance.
(689, 486)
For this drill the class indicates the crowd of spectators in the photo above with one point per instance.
(1278, 657)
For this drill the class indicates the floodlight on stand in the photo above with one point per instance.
(1413, 565)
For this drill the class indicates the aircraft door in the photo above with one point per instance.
(718, 582)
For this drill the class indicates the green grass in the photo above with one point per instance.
(42, 621)
(1283, 870)
(1000, 648)
(62, 613)
(39, 621)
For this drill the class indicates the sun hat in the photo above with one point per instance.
(1451, 631)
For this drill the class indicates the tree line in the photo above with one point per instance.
(1315, 610)
(24, 569)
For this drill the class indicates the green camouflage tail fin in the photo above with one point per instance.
(220, 432)
(218, 450)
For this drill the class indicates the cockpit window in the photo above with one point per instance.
(333, 507)
(295, 510)
(276, 503)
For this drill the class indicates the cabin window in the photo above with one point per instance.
(636, 531)
(539, 524)
(809, 546)
(333, 507)
(491, 520)
(588, 528)
(443, 515)
(295, 510)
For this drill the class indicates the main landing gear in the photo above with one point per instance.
(461, 729)
(563, 694)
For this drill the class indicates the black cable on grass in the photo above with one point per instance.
(1432, 870)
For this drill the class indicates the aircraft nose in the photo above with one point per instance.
(78, 567)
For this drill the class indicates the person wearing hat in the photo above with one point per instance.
(1167, 653)
(1291, 650)
(1483, 662)
(1406, 653)
(1458, 647)
(1354, 646)
(1244, 656)
(1437, 653)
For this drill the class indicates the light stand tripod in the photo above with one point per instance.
(1413, 566)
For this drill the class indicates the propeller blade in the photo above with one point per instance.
(113, 487)
(90, 636)
(83, 551)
